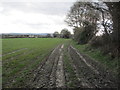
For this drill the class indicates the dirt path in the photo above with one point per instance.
(87, 73)
(91, 73)
(50, 73)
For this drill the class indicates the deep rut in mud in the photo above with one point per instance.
(89, 73)
(50, 73)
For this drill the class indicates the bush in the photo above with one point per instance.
(84, 34)
(105, 46)
(96, 42)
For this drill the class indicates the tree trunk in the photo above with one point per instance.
(114, 9)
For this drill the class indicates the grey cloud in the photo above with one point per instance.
(54, 8)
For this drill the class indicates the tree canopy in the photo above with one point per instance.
(90, 19)
(65, 33)
(56, 34)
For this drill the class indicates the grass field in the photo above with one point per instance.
(22, 55)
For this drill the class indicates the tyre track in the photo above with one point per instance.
(83, 83)
(60, 77)
(89, 73)
(14, 51)
(41, 78)
(46, 75)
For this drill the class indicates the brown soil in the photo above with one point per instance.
(50, 73)
(89, 73)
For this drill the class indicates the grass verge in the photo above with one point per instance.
(95, 54)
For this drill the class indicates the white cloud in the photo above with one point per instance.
(38, 0)
(28, 18)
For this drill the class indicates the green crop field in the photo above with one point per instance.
(22, 55)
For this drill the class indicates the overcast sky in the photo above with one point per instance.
(33, 16)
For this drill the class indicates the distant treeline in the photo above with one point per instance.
(25, 36)
(63, 34)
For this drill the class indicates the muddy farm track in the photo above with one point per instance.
(87, 73)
